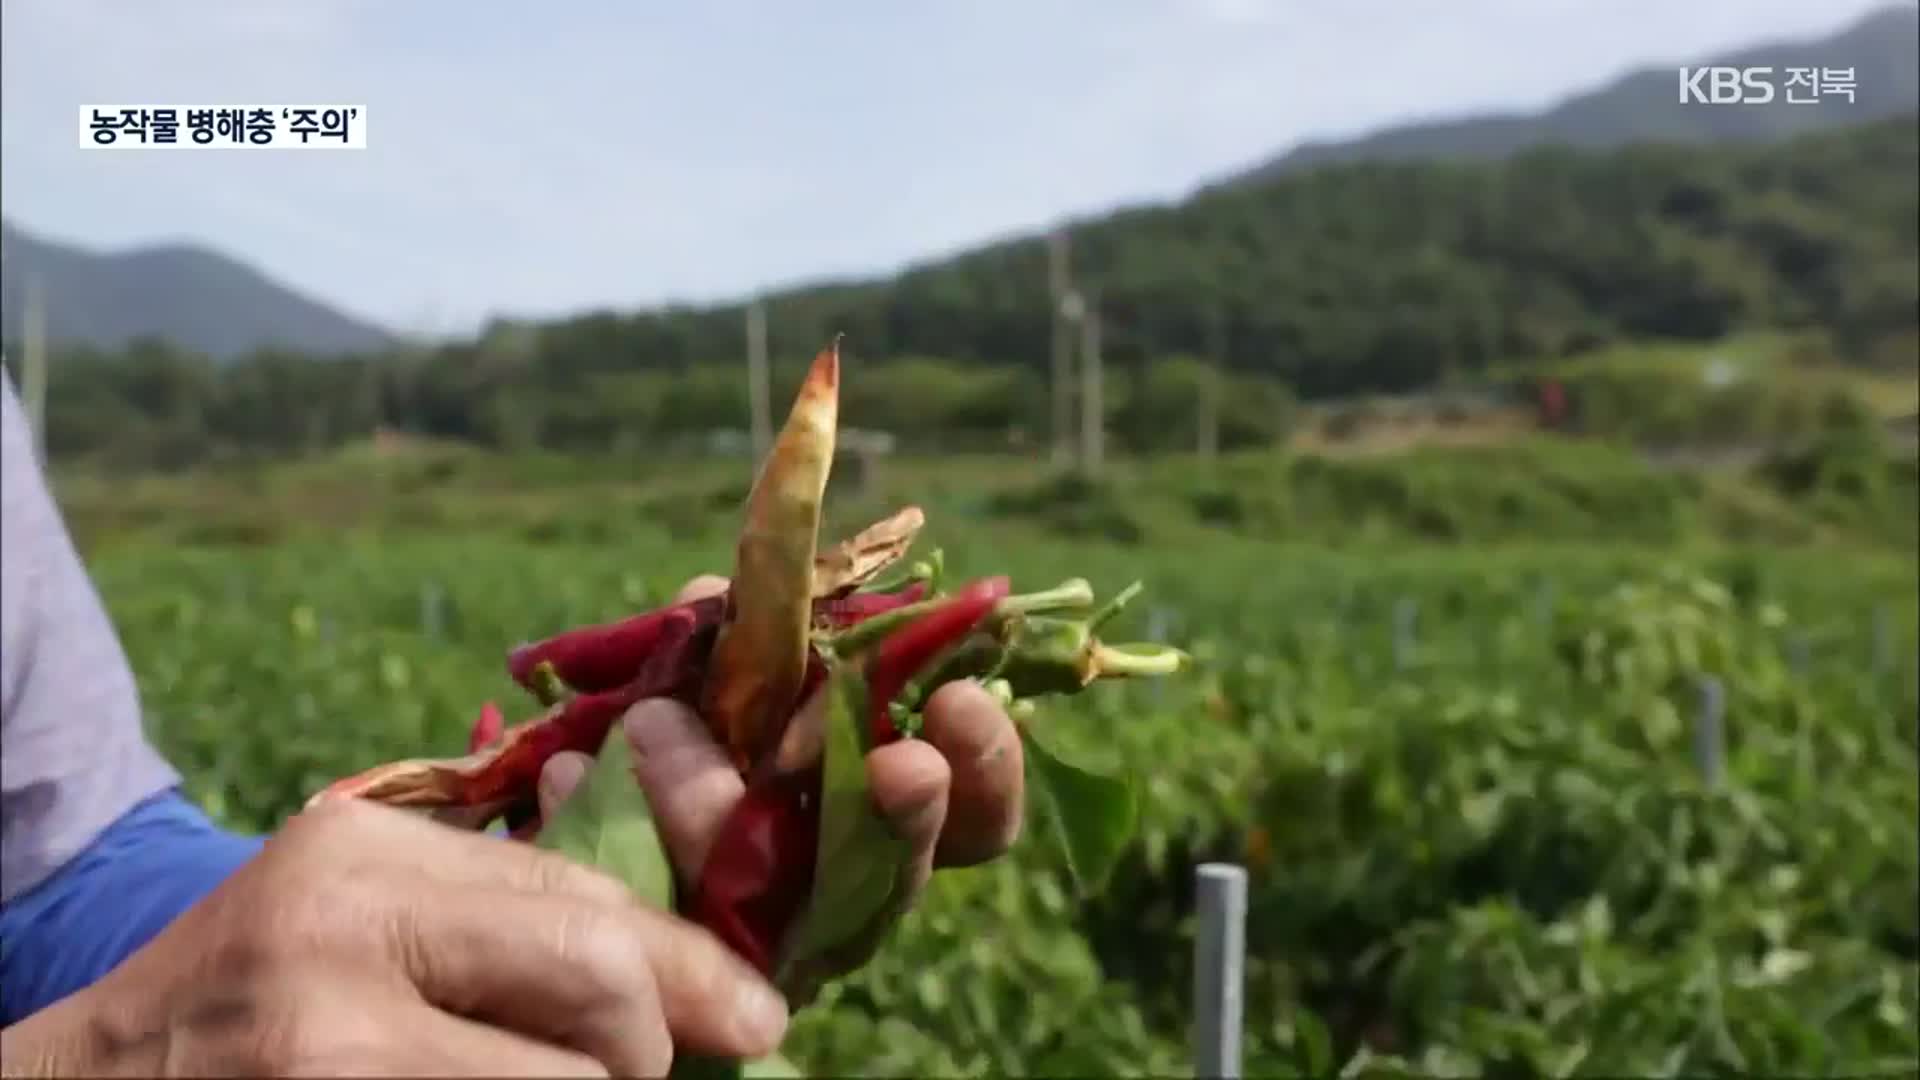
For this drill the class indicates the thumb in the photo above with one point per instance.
(559, 778)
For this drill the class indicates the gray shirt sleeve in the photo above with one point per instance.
(73, 755)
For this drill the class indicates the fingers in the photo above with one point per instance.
(689, 781)
(558, 778)
(692, 785)
(623, 984)
(988, 787)
(910, 782)
(701, 587)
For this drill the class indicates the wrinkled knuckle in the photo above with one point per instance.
(301, 914)
(708, 975)
(599, 944)
(648, 1050)
(612, 954)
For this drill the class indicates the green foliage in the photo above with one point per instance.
(1538, 489)
(1091, 816)
(1742, 392)
(1487, 851)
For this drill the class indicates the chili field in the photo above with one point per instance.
(1484, 825)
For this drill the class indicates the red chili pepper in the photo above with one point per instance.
(488, 729)
(580, 724)
(596, 658)
(760, 870)
(509, 768)
(905, 652)
(590, 659)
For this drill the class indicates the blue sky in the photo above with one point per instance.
(539, 159)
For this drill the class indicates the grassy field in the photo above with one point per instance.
(1444, 712)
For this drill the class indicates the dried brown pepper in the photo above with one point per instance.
(760, 656)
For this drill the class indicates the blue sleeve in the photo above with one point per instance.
(150, 865)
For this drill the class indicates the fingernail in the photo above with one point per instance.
(561, 775)
(761, 1013)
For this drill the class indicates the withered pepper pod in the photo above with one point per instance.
(802, 662)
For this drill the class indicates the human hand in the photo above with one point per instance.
(367, 941)
(955, 795)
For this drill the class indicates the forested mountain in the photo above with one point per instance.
(1882, 50)
(1346, 279)
(194, 298)
(1388, 276)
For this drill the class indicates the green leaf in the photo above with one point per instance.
(607, 824)
(1092, 815)
(860, 860)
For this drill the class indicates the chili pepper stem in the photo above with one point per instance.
(930, 569)
(547, 686)
(924, 572)
(1114, 606)
(1068, 596)
(1136, 661)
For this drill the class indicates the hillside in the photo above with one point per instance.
(192, 297)
(1883, 49)
(1352, 279)
(1386, 277)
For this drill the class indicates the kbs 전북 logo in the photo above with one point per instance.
(1761, 86)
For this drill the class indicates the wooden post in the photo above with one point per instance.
(1058, 287)
(758, 392)
(1092, 403)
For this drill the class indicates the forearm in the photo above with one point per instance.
(64, 934)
